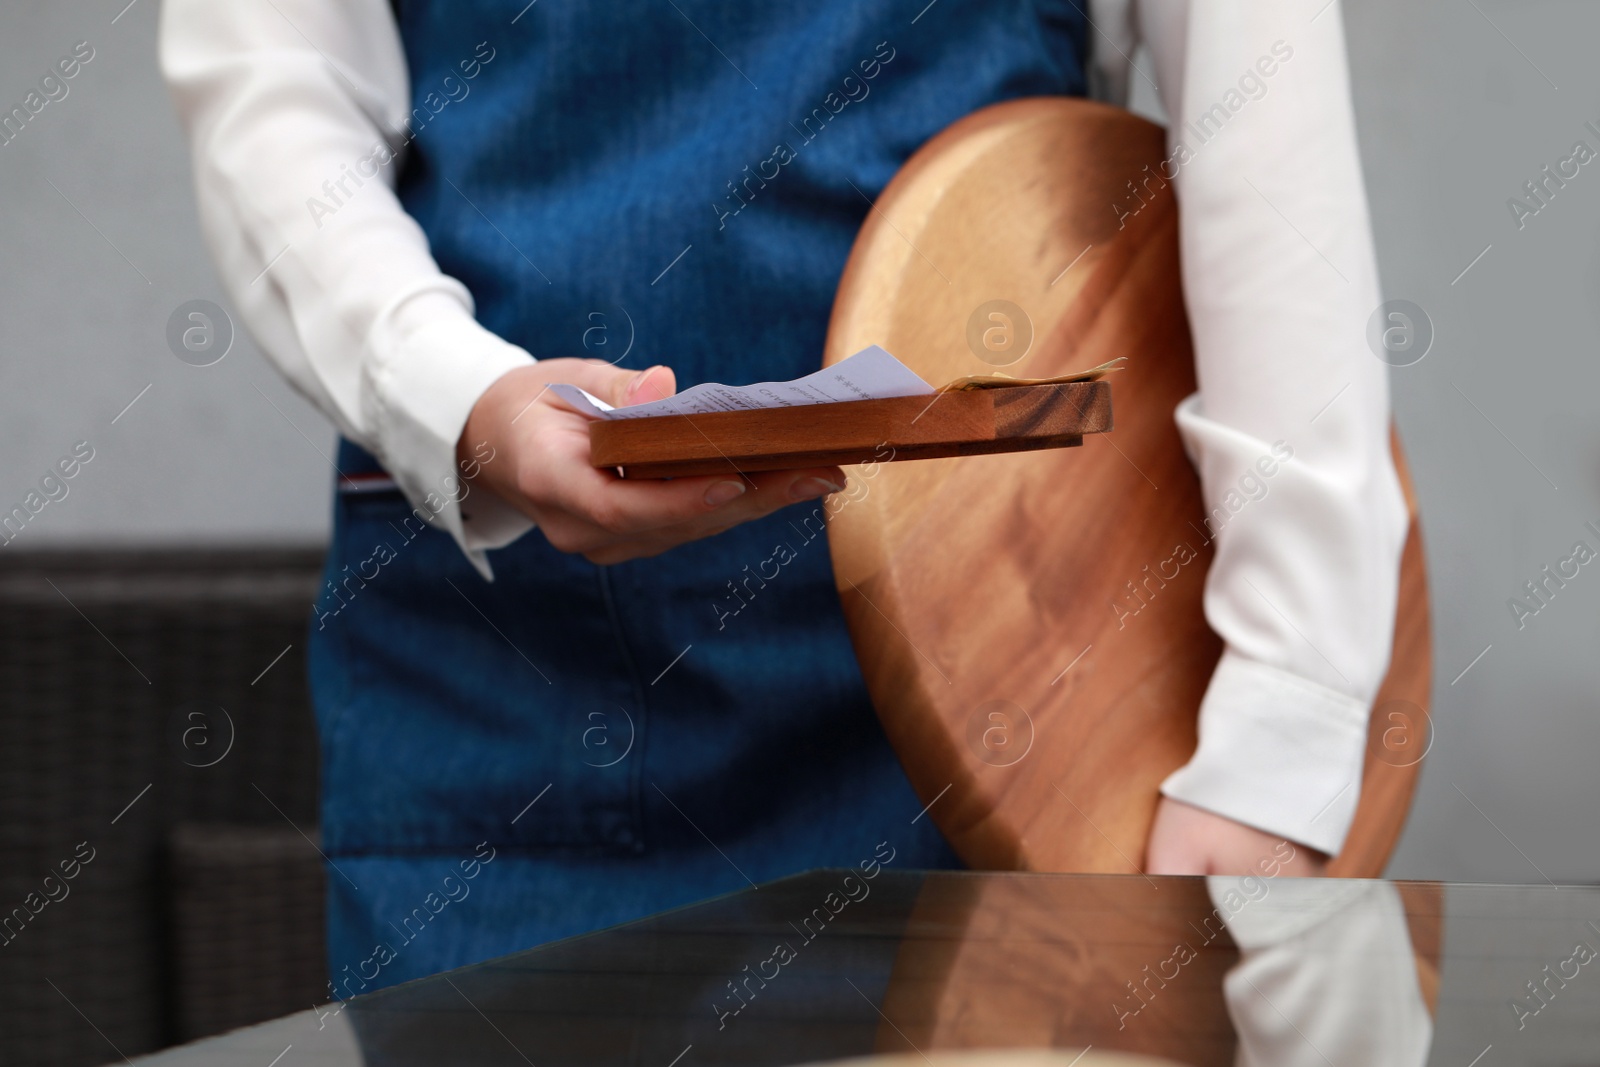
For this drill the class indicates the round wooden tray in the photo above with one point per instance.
(1030, 625)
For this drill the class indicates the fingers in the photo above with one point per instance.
(619, 387)
(650, 384)
(625, 508)
(607, 518)
(1190, 840)
(771, 493)
(771, 490)
(1165, 855)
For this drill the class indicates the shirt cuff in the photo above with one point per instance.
(431, 362)
(1277, 752)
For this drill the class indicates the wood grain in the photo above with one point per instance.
(1050, 963)
(1030, 626)
(969, 423)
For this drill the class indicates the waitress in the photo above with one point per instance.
(425, 211)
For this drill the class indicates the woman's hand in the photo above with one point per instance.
(1189, 840)
(541, 467)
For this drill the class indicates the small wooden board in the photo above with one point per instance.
(957, 423)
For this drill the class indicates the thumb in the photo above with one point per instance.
(623, 388)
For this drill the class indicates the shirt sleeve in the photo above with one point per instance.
(1327, 973)
(298, 114)
(1289, 428)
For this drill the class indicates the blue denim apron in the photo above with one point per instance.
(648, 182)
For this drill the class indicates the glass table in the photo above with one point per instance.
(834, 964)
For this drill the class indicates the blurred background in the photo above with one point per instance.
(189, 542)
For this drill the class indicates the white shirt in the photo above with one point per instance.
(280, 96)
(1327, 973)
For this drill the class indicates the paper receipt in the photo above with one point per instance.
(870, 374)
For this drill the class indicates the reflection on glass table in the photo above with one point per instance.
(836, 964)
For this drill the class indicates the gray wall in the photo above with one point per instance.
(1461, 104)
(1457, 110)
(202, 457)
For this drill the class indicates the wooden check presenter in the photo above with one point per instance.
(1035, 719)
